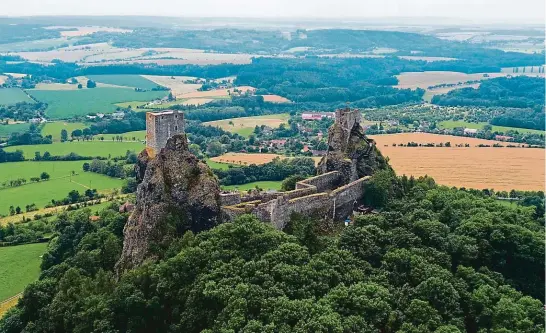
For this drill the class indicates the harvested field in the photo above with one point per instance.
(472, 167)
(276, 99)
(216, 93)
(246, 125)
(424, 80)
(245, 159)
(175, 83)
(429, 93)
(56, 86)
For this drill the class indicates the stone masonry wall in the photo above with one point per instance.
(312, 195)
(324, 182)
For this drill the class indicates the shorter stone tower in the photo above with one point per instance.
(160, 126)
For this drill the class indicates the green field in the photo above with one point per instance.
(39, 44)
(127, 136)
(135, 81)
(450, 124)
(60, 183)
(219, 166)
(13, 96)
(88, 148)
(266, 185)
(132, 104)
(54, 129)
(63, 104)
(19, 266)
(6, 130)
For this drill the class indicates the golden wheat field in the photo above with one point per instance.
(275, 99)
(472, 167)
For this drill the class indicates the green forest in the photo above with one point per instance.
(432, 259)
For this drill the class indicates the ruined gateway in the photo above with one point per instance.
(177, 192)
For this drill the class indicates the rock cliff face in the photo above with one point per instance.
(177, 193)
(349, 150)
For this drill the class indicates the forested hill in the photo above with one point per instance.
(525, 93)
(434, 259)
(516, 92)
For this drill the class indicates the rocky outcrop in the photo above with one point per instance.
(177, 193)
(349, 150)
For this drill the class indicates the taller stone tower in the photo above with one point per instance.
(160, 126)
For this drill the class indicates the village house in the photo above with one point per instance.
(278, 143)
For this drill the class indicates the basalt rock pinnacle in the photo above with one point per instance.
(177, 193)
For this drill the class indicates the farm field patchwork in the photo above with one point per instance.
(83, 148)
(60, 183)
(459, 123)
(54, 129)
(19, 266)
(70, 103)
(13, 96)
(472, 167)
(135, 81)
(266, 185)
(245, 125)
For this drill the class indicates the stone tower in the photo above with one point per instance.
(160, 126)
(350, 151)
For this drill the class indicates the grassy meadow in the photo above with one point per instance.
(219, 166)
(54, 129)
(57, 187)
(13, 96)
(19, 266)
(127, 136)
(134, 81)
(459, 123)
(84, 148)
(6, 130)
(266, 185)
(64, 104)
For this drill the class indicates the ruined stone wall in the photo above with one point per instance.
(349, 193)
(325, 182)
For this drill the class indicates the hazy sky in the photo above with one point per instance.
(525, 11)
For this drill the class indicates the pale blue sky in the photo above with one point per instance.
(524, 11)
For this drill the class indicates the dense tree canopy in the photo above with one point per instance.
(434, 259)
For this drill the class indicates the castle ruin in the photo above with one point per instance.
(334, 193)
(343, 173)
(160, 126)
